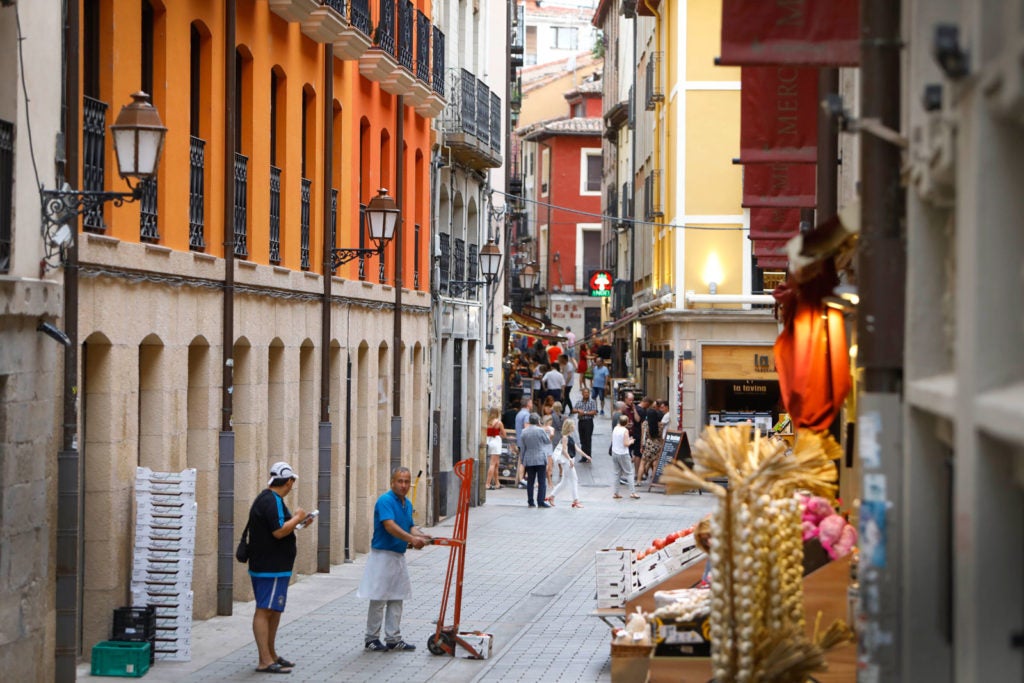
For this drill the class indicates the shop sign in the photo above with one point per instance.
(601, 283)
(731, 362)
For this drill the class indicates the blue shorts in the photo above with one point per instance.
(598, 393)
(271, 591)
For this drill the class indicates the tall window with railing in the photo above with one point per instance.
(94, 137)
(6, 193)
(241, 227)
(306, 188)
(148, 214)
(459, 259)
(275, 215)
(197, 146)
(385, 34)
(361, 16)
(406, 13)
(422, 47)
(437, 68)
(416, 257)
(472, 266)
(444, 262)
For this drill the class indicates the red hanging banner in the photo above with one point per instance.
(773, 223)
(779, 185)
(808, 32)
(770, 229)
(778, 115)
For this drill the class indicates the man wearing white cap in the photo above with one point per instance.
(271, 557)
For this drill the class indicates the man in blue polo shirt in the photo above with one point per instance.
(386, 576)
(271, 557)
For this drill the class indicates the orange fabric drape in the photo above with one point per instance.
(813, 362)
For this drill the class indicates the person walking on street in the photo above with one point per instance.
(271, 558)
(599, 382)
(386, 576)
(583, 369)
(495, 441)
(560, 456)
(537, 460)
(569, 371)
(621, 441)
(554, 382)
(570, 342)
(521, 420)
(585, 411)
(634, 416)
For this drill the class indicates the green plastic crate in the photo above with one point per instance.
(120, 658)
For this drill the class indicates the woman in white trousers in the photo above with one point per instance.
(560, 456)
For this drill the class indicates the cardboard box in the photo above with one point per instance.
(482, 642)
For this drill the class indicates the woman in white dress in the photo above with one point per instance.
(560, 456)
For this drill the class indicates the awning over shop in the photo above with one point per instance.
(621, 322)
(533, 327)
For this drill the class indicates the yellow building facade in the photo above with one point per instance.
(701, 333)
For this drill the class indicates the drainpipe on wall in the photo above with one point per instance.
(69, 465)
(396, 351)
(323, 531)
(226, 440)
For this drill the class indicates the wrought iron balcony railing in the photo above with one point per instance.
(361, 16)
(197, 195)
(241, 227)
(307, 190)
(94, 133)
(148, 217)
(275, 215)
(438, 71)
(473, 109)
(6, 193)
(385, 35)
(422, 47)
(406, 15)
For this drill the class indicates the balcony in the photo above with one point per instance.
(94, 132)
(197, 195)
(380, 63)
(435, 101)
(330, 21)
(472, 122)
(421, 88)
(241, 226)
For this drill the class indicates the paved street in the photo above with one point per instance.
(529, 581)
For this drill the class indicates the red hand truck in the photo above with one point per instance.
(444, 640)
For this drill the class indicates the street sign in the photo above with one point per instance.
(601, 283)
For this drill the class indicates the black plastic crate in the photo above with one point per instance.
(136, 624)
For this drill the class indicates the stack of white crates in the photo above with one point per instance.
(670, 560)
(616, 576)
(165, 539)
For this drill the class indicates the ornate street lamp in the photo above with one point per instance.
(490, 264)
(528, 277)
(381, 218)
(138, 136)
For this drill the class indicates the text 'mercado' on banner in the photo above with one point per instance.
(778, 115)
(806, 32)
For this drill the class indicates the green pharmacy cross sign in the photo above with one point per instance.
(601, 283)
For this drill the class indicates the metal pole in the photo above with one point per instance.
(828, 148)
(396, 401)
(881, 271)
(323, 538)
(226, 440)
(69, 464)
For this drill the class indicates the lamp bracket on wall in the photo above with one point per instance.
(340, 257)
(61, 209)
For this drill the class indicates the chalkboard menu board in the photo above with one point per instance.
(677, 445)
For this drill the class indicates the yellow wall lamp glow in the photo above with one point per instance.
(713, 273)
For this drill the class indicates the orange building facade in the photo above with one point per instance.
(207, 335)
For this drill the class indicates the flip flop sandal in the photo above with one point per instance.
(274, 668)
(285, 663)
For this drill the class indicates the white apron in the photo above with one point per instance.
(386, 577)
